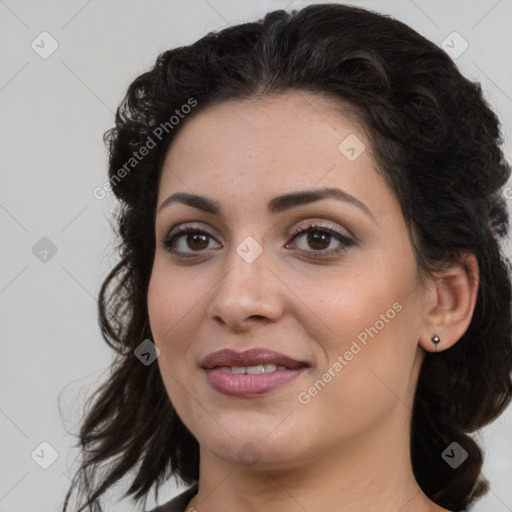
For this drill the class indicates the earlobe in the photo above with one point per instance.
(454, 298)
(435, 339)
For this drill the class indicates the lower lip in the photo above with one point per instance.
(250, 385)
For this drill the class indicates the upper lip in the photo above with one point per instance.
(251, 357)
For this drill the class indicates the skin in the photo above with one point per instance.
(348, 447)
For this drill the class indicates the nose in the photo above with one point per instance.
(246, 293)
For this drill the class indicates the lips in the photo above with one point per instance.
(222, 372)
(252, 357)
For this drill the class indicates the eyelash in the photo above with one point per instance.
(344, 240)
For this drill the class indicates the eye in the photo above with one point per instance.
(189, 241)
(320, 237)
(187, 237)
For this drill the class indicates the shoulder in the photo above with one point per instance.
(178, 503)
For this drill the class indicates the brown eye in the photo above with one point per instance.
(186, 241)
(196, 241)
(319, 240)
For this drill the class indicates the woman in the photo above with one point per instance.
(310, 222)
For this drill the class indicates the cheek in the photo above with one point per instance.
(368, 374)
(346, 306)
(161, 305)
(369, 335)
(171, 309)
(173, 305)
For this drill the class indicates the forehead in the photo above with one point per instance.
(258, 148)
(298, 117)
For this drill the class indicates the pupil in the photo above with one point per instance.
(316, 237)
(191, 241)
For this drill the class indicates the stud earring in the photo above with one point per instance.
(435, 340)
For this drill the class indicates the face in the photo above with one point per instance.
(330, 282)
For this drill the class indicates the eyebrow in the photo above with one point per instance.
(276, 205)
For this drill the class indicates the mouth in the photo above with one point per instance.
(257, 360)
(250, 373)
(252, 370)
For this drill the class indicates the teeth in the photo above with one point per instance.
(260, 368)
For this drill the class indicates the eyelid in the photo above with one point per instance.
(298, 227)
(322, 224)
(184, 226)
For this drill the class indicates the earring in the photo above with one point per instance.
(435, 340)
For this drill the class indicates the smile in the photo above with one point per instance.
(260, 368)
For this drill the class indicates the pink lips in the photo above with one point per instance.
(249, 385)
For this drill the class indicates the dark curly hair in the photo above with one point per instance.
(437, 144)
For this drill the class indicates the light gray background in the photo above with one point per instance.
(53, 114)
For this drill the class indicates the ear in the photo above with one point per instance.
(450, 302)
